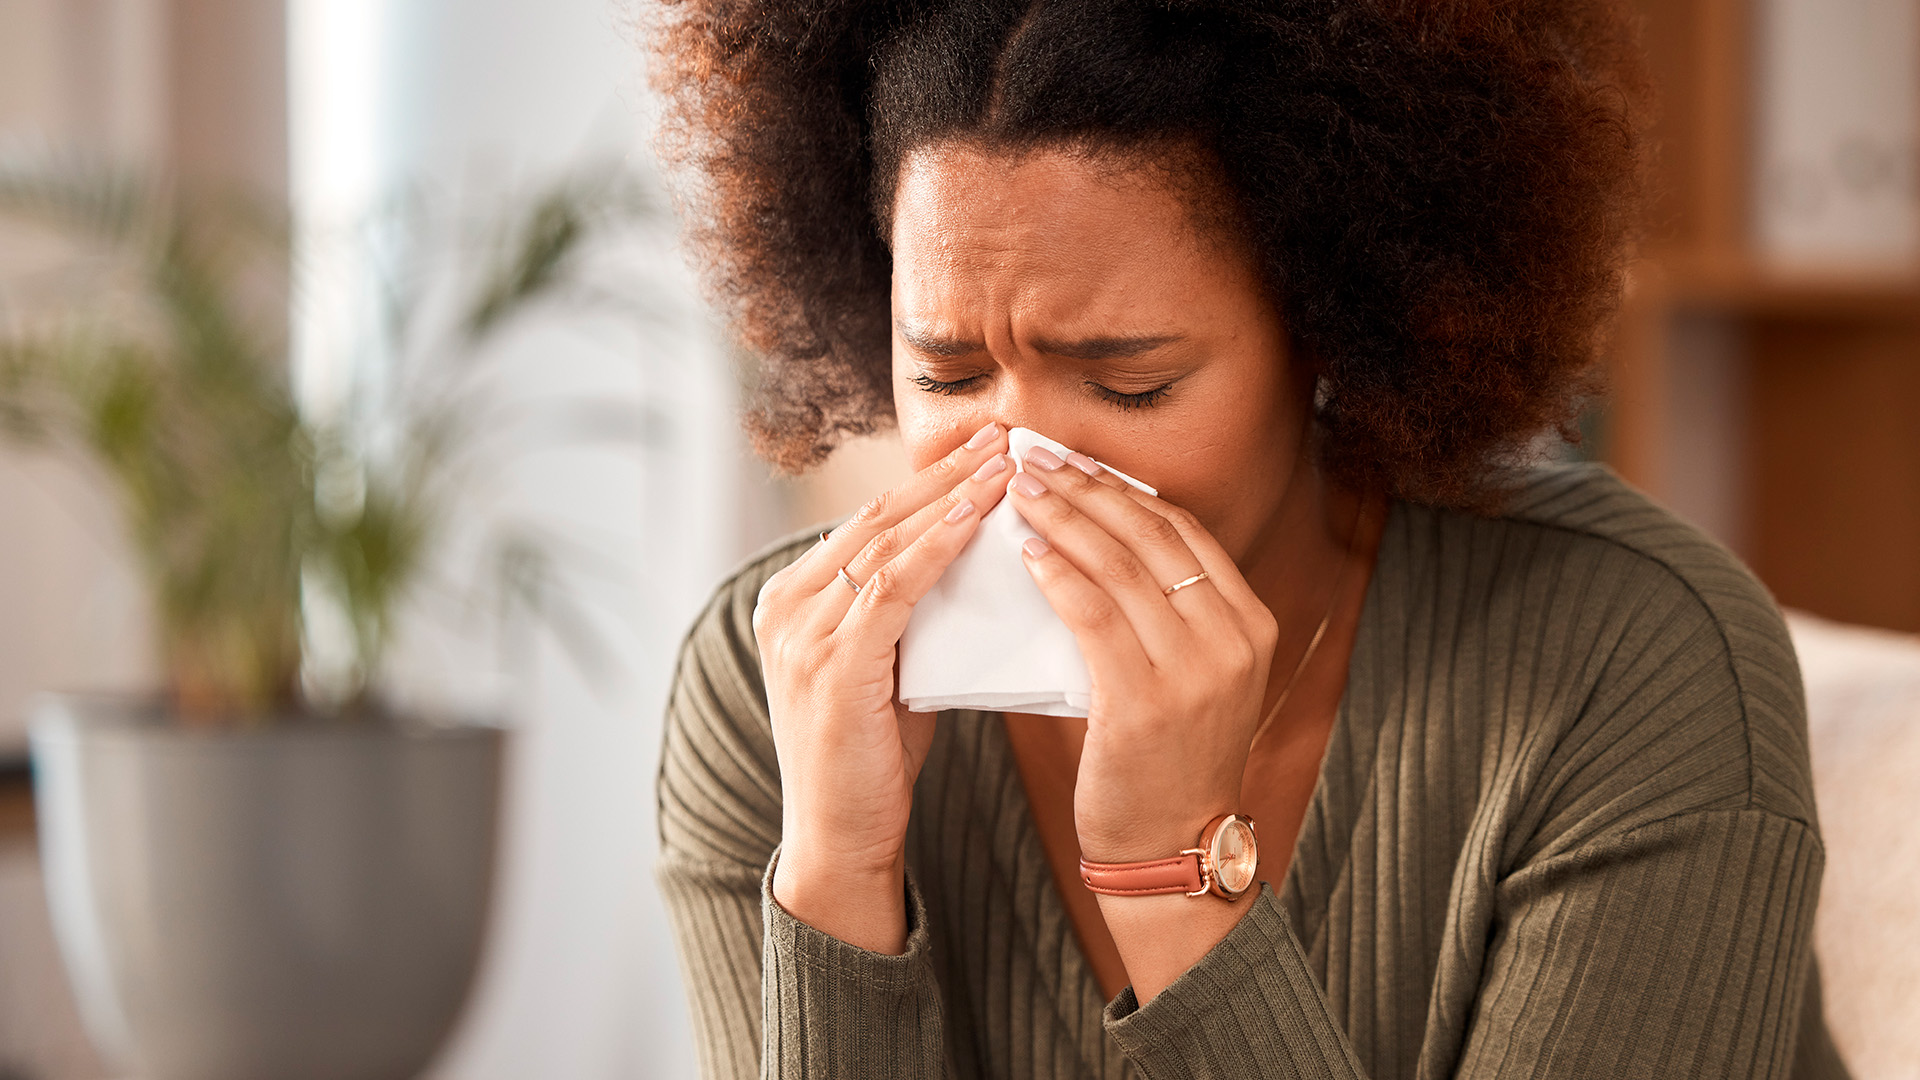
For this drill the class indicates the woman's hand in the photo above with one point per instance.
(1178, 682)
(849, 753)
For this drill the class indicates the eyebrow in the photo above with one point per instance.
(933, 344)
(1115, 347)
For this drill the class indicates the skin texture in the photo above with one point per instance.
(1081, 298)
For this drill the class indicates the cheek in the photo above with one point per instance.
(925, 439)
(1210, 480)
(1230, 464)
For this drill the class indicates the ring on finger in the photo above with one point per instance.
(848, 578)
(1178, 585)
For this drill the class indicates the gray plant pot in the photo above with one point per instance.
(304, 901)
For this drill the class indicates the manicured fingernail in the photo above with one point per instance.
(1035, 547)
(1084, 463)
(1028, 486)
(1044, 458)
(984, 436)
(991, 467)
(960, 511)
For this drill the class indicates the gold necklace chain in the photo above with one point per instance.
(1353, 541)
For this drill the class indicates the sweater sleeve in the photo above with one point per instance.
(834, 1009)
(1675, 949)
(1249, 1008)
(770, 995)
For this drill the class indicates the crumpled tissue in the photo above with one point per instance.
(985, 637)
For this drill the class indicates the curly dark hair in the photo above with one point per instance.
(1440, 192)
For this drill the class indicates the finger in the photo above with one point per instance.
(1160, 546)
(1246, 609)
(877, 615)
(1098, 471)
(1105, 559)
(822, 563)
(1115, 654)
(982, 490)
(1138, 497)
(986, 487)
(1222, 572)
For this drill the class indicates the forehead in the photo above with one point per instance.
(1042, 229)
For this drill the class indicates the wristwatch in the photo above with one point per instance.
(1223, 864)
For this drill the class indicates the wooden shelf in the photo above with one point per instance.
(1746, 288)
(1790, 424)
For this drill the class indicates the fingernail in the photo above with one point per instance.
(960, 511)
(1035, 547)
(1028, 486)
(991, 467)
(984, 436)
(1044, 458)
(1084, 463)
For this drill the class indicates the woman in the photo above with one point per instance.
(1526, 754)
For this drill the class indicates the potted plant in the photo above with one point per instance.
(264, 869)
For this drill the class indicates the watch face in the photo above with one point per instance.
(1234, 856)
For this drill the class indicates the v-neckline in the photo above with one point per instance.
(1030, 854)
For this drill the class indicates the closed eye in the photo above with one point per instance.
(939, 386)
(1142, 400)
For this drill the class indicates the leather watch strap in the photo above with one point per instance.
(1179, 874)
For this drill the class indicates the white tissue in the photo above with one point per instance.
(985, 637)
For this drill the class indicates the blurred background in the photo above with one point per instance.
(1766, 379)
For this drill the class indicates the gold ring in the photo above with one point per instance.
(1178, 585)
(848, 578)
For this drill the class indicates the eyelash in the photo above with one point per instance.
(1145, 399)
(934, 386)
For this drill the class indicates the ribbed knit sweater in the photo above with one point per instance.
(1564, 828)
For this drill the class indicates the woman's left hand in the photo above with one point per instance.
(1178, 680)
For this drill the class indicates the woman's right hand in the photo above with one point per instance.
(849, 753)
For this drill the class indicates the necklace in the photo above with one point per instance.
(1319, 632)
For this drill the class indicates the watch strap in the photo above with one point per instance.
(1181, 873)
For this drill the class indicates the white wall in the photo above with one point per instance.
(580, 981)
(86, 73)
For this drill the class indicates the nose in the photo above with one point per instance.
(1056, 412)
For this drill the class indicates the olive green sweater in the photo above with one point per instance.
(1564, 828)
